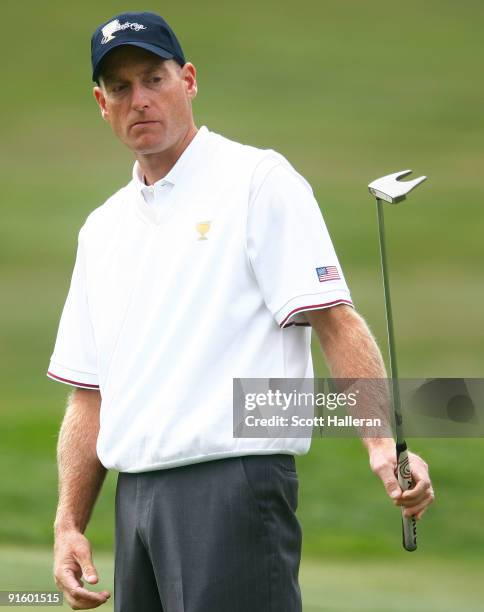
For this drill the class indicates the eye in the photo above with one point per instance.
(117, 88)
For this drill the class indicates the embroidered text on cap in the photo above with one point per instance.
(115, 26)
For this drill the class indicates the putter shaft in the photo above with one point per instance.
(409, 525)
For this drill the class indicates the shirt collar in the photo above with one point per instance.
(188, 156)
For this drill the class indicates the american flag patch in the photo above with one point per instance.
(327, 273)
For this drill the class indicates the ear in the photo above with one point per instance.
(101, 100)
(189, 75)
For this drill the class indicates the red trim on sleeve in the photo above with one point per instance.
(298, 324)
(73, 382)
(311, 307)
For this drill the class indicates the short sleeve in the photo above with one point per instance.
(289, 247)
(74, 360)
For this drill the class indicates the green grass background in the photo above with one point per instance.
(348, 91)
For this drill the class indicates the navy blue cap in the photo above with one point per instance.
(146, 30)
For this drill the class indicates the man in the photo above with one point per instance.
(212, 263)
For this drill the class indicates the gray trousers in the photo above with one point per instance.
(217, 536)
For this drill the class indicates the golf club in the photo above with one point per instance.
(390, 189)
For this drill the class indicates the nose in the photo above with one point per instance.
(139, 99)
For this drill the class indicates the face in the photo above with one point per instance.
(145, 99)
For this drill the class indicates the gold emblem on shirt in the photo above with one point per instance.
(202, 229)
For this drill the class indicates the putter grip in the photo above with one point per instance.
(409, 524)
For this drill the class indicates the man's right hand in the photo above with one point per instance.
(72, 563)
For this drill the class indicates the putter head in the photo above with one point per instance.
(390, 189)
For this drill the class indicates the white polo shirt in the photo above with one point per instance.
(180, 287)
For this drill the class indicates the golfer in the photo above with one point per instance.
(212, 263)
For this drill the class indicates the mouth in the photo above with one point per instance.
(143, 123)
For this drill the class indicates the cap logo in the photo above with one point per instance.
(115, 26)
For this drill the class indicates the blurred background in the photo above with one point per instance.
(347, 91)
